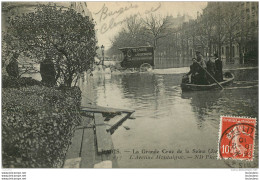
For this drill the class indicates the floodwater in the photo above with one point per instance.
(167, 120)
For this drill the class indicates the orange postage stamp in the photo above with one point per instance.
(236, 138)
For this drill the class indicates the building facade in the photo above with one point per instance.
(229, 29)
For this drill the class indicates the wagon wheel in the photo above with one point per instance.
(145, 67)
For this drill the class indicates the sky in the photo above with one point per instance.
(110, 16)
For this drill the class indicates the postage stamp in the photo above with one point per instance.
(236, 138)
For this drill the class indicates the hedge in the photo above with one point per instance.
(37, 125)
(12, 82)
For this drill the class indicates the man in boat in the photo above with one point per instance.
(194, 71)
(219, 66)
(211, 68)
(201, 78)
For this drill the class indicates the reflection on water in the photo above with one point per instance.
(166, 118)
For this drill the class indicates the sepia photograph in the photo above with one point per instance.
(125, 84)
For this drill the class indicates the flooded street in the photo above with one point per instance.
(130, 84)
(167, 119)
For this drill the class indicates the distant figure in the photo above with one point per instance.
(47, 71)
(219, 66)
(12, 67)
(194, 71)
(211, 68)
(202, 78)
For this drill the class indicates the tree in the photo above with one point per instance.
(219, 30)
(208, 26)
(65, 35)
(247, 35)
(156, 28)
(143, 32)
(131, 35)
(231, 21)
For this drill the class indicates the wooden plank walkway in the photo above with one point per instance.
(100, 109)
(88, 149)
(83, 152)
(92, 142)
(74, 149)
(104, 140)
(114, 122)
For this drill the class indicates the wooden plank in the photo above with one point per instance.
(111, 157)
(99, 119)
(100, 109)
(87, 121)
(104, 141)
(72, 163)
(98, 156)
(116, 109)
(75, 147)
(114, 122)
(103, 164)
(88, 149)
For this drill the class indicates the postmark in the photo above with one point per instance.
(236, 138)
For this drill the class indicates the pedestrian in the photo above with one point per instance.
(47, 71)
(12, 68)
(219, 66)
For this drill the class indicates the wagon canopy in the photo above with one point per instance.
(134, 57)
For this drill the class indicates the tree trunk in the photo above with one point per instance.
(219, 50)
(68, 81)
(230, 52)
(240, 53)
(219, 47)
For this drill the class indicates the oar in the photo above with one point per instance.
(210, 75)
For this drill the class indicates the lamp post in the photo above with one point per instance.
(102, 49)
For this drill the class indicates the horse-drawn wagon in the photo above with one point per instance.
(138, 57)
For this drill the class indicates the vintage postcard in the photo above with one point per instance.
(129, 85)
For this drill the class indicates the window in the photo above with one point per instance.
(222, 50)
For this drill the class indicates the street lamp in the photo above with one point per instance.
(102, 49)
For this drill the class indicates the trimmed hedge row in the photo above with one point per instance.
(37, 125)
(12, 82)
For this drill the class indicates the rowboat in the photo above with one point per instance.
(228, 79)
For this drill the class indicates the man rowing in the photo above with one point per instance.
(203, 73)
(197, 72)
